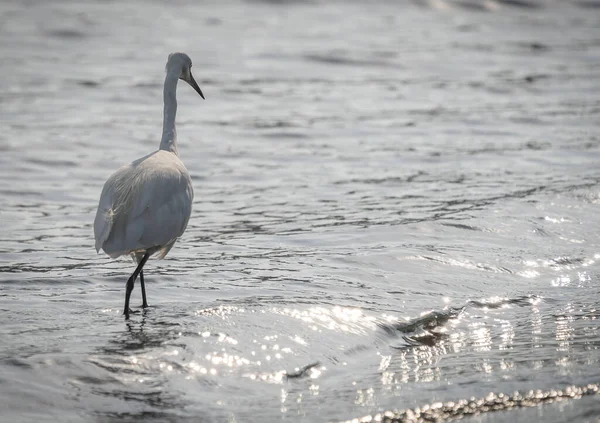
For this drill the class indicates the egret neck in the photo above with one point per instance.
(169, 135)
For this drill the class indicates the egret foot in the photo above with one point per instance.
(130, 311)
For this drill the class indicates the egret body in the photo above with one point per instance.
(145, 205)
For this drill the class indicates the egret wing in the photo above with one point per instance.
(162, 209)
(144, 205)
(104, 217)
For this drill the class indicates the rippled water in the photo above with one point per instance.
(396, 204)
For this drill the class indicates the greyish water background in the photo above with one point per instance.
(356, 166)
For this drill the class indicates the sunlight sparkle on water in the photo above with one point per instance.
(339, 319)
(563, 280)
(555, 220)
(529, 274)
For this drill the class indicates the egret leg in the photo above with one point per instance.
(144, 302)
(131, 281)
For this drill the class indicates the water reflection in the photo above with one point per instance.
(139, 373)
(564, 328)
(475, 334)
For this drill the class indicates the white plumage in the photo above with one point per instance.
(145, 205)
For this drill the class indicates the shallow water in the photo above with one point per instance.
(396, 204)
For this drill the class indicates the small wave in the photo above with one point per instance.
(520, 3)
(66, 33)
(380, 181)
(302, 371)
(51, 162)
(439, 412)
(88, 83)
(426, 329)
(589, 4)
(332, 59)
(429, 321)
(466, 264)
(462, 226)
(281, 2)
(478, 6)
(495, 303)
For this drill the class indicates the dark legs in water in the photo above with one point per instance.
(131, 281)
(144, 302)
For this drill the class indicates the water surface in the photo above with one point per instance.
(396, 204)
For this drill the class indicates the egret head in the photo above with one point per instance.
(182, 64)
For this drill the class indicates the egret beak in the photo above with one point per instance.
(195, 86)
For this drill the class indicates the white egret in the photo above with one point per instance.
(145, 205)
